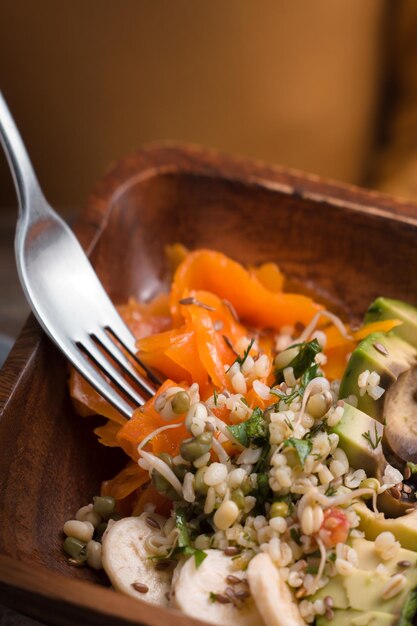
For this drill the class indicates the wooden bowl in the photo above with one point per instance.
(347, 244)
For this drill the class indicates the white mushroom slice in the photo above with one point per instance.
(272, 595)
(193, 588)
(127, 564)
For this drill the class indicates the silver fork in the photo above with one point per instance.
(64, 292)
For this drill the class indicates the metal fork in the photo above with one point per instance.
(64, 292)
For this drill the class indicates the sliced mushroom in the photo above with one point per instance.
(400, 414)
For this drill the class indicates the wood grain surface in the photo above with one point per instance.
(347, 244)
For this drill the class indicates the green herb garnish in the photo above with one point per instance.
(372, 442)
(254, 430)
(242, 359)
(301, 363)
(409, 609)
(302, 447)
(184, 542)
(295, 535)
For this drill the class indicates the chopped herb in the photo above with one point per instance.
(330, 491)
(254, 430)
(263, 487)
(295, 535)
(409, 609)
(372, 442)
(184, 542)
(199, 556)
(212, 596)
(215, 397)
(312, 569)
(242, 359)
(412, 467)
(287, 421)
(331, 556)
(287, 399)
(302, 362)
(314, 430)
(302, 447)
(181, 524)
(298, 391)
(243, 399)
(310, 373)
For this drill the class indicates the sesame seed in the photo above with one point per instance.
(395, 492)
(191, 300)
(152, 523)
(230, 593)
(231, 551)
(404, 564)
(381, 348)
(222, 598)
(242, 594)
(229, 344)
(231, 309)
(140, 587)
(329, 614)
(233, 580)
(328, 601)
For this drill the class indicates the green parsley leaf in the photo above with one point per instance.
(181, 524)
(184, 543)
(254, 430)
(295, 535)
(302, 447)
(302, 361)
(310, 373)
(199, 556)
(239, 432)
(409, 609)
(263, 487)
(256, 427)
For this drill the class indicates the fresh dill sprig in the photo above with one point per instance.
(374, 443)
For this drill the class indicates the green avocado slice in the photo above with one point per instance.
(403, 528)
(362, 452)
(383, 353)
(389, 309)
(360, 437)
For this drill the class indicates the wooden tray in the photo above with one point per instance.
(348, 244)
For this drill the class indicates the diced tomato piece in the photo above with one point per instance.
(335, 527)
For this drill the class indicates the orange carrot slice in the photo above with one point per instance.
(256, 305)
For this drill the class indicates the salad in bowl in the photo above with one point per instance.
(271, 479)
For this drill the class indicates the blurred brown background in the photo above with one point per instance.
(328, 86)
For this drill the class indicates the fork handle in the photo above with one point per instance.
(26, 183)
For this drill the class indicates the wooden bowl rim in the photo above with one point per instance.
(21, 580)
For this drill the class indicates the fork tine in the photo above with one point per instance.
(116, 353)
(90, 348)
(122, 334)
(100, 384)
